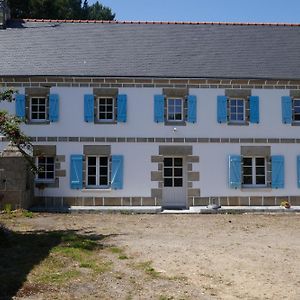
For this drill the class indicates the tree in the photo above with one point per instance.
(99, 12)
(59, 9)
(10, 128)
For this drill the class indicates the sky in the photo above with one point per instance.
(278, 11)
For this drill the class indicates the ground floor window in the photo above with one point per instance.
(97, 172)
(254, 171)
(46, 166)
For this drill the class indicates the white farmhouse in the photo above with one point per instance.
(157, 113)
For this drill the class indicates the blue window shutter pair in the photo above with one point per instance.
(122, 108)
(222, 109)
(53, 107)
(76, 171)
(254, 109)
(286, 108)
(89, 108)
(76, 161)
(235, 171)
(20, 105)
(117, 173)
(159, 108)
(192, 109)
(277, 171)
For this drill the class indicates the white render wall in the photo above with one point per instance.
(213, 165)
(140, 116)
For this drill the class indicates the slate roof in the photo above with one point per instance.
(150, 49)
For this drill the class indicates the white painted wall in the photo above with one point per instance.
(140, 117)
(213, 164)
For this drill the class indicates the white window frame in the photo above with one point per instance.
(182, 109)
(45, 171)
(293, 107)
(253, 165)
(46, 109)
(229, 110)
(113, 108)
(97, 185)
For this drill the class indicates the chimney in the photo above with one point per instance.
(4, 13)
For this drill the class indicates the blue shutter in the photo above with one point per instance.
(89, 108)
(277, 171)
(20, 106)
(117, 172)
(53, 107)
(122, 108)
(235, 171)
(192, 109)
(76, 171)
(298, 170)
(222, 109)
(254, 109)
(286, 105)
(159, 107)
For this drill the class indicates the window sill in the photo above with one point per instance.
(256, 189)
(96, 190)
(175, 123)
(37, 122)
(105, 122)
(237, 123)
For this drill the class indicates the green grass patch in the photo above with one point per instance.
(148, 269)
(27, 214)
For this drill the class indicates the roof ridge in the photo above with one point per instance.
(161, 22)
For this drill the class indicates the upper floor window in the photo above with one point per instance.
(106, 109)
(238, 107)
(237, 110)
(37, 106)
(175, 109)
(105, 105)
(38, 109)
(296, 109)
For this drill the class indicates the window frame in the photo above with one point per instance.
(46, 109)
(98, 120)
(238, 122)
(254, 172)
(45, 180)
(182, 100)
(98, 175)
(293, 110)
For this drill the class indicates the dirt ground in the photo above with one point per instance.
(182, 256)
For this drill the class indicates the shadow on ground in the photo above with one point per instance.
(21, 252)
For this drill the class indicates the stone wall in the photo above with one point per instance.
(16, 180)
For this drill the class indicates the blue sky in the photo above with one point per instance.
(287, 11)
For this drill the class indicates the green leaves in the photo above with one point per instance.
(59, 9)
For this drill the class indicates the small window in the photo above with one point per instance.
(296, 110)
(105, 106)
(97, 172)
(46, 166)
(38, 109)
(173, 172)
(254, 171)
(175, 109)
(237, 110)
